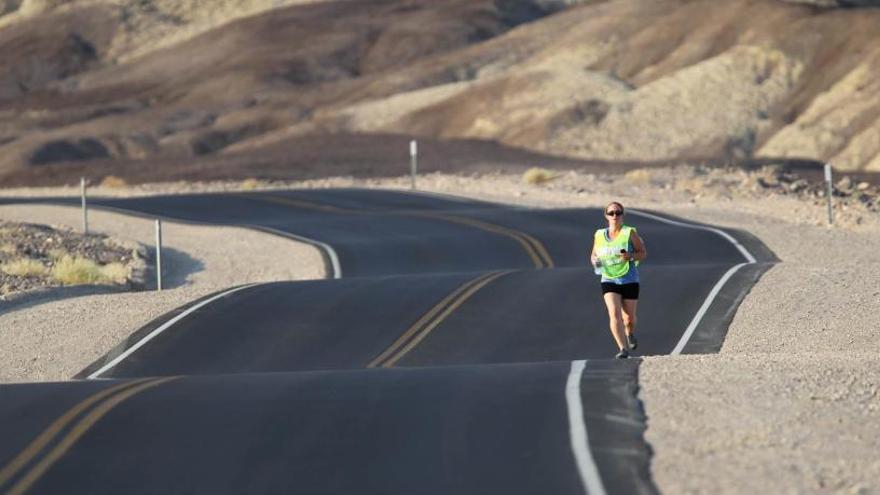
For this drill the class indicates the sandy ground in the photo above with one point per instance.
(790, 405)
(46, 338)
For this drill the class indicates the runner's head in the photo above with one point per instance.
(614, 213)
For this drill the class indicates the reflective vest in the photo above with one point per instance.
(613, 266)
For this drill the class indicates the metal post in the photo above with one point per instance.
(830, 192)
(158, 254)
(85, 211)
(413, 162)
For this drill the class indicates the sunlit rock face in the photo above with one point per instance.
(96, 83)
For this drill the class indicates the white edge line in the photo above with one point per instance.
(745, 252)
(587, 468)
(689, 331)
(705, 307)
(161, 329)
(331, 253)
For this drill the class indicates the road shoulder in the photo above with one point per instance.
(56, 335)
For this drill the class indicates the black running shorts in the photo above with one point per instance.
(626, 291)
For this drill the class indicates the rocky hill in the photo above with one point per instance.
(148, 89)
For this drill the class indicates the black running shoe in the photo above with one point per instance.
(623, 354)
(632, 342)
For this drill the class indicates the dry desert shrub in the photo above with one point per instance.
(114, 182)
(536, 175)
(24, 267)
(77, 271)
(249, 184)
(639, 176)
(115, 272)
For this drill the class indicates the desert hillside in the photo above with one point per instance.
(163, 89)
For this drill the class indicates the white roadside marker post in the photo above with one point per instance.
(413, 162)
(830, 192)
(85, 212)
(158, 254)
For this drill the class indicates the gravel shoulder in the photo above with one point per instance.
(792, 398)
(52, 336)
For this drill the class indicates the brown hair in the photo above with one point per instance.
(615, 203)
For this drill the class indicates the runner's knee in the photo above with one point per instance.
(616, 318)
(615, 313)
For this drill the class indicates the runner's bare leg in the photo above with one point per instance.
(614, 304)
(629, 315)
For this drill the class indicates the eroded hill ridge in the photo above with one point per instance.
(156, 82)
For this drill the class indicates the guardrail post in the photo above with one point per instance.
(830, 192)
(158, 254)
(413, 162)
(85, 211)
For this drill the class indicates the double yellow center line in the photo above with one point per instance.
(28, 466)
(430, 320)
(421, 328)
(533, 247)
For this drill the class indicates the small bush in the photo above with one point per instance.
(639, 176)
(249, 184)
(77, 271)
(536, 175)
(24, 267)
(114, 182)
(114, 272)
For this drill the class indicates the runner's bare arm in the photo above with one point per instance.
(639, 251)
(593, 256)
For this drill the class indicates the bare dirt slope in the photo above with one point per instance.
(152, 86)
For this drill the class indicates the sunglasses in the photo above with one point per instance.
(614, 213)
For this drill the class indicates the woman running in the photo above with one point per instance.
(617, 251)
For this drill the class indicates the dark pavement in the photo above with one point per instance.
(480, 310)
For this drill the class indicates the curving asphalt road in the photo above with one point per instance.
(484, 312)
